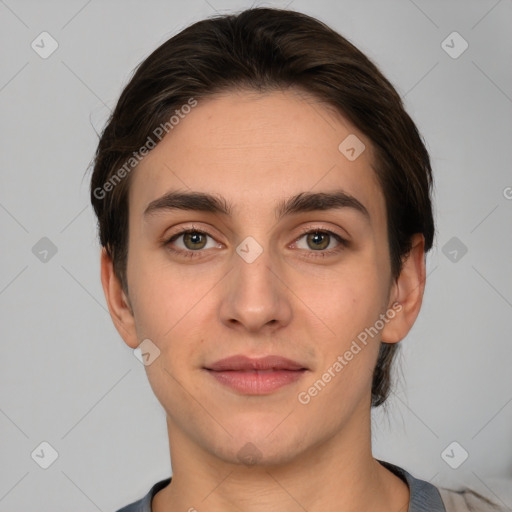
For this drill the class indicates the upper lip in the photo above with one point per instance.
(240, 363)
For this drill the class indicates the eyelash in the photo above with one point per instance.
(304, 231)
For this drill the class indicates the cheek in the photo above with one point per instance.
(153, 296)
(348, 299)
(170, 307)
(349, 351)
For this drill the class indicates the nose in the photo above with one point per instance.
(255, 296)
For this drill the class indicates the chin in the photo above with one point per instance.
(261, 445)
(253, 455)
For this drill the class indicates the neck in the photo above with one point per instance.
(339, 473)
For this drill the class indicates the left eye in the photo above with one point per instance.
(319, 240)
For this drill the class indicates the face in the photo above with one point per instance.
(260, 275)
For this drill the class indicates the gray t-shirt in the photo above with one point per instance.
(425, 497)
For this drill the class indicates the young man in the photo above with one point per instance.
(264, 209)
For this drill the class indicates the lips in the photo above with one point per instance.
(244, 363)
(260, 376)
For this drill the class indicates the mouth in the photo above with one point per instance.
(260, 376)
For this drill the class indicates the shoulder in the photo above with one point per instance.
(144, 504)
(425, 497)
(466, 500)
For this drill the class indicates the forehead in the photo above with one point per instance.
(255, 148)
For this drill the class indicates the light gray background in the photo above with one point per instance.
(68, 379)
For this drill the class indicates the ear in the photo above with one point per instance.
(117, 301)
(406, 293)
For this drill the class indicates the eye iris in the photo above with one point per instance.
(315, 238)
(194, 238)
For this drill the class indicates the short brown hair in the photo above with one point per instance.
(264, 49)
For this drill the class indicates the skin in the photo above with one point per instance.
(256, 150)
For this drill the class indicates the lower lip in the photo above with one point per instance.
(257, 383)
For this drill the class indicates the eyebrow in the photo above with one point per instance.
(302, 202)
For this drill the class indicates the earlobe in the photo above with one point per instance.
(118, 303)
(408, 292)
